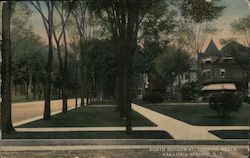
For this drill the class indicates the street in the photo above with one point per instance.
(27, 110)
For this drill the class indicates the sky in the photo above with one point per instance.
(235, 9)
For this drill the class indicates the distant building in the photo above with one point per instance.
(187, 77)
(217, 67)
(190, 76)
(141, 84)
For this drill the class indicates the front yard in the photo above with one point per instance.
(89, 117)
(231, 134)
(202, 115)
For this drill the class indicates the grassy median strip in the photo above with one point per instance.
(231, 134)
(202, 115)
(90, 117)
(90, 135)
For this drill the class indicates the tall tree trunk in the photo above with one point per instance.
(34, 91)
(65, 95)
(15, 89)
(120, 98)
(47, 92)
(127, 98)
(179, 88)
(27, 90)
(117, 108)
(120, 83)
(82, 70)
(30, 82)
(40, 91)
(6, 121)
(76, 85)
(65, 75)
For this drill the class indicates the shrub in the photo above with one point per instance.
(190, 91)
(224, 103)
(247, 99)
(139, 101)
(154, 97)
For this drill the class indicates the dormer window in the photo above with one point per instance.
(207, 60)
(223, 73)
(227, 59)
(206, 73)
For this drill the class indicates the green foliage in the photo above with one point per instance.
(101, 63)
(139, 101)
(172, 63)
(242, 27)
(144, 58)
(154, 97)
(200, 10)
(26, 47)
(158, 23)
(190, 91)
(224, 103)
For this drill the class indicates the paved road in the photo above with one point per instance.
(26, 110)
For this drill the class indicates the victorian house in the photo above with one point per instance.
(215, 66)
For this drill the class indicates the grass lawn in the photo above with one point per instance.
(90, 135)
(231, 134)
(202, 115)
(90, 117)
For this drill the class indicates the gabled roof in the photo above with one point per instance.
(212, 48)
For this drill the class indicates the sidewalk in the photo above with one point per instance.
(177, 129)
(180, 130)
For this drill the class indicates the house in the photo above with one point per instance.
(141, 84)
(187, 77)
(215, 66)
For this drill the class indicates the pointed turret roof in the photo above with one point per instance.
(212, 48)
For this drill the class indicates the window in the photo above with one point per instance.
(223, 73)
(227, 59)
(206, 73)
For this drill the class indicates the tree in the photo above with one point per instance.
(79, 12)
(172, 64)
(242, 27)
(158, 24)
(101, 66)
(6, 121)
(26, 47)
(48, 25)
(64, 14)
(123, 19)
(73, 36)
(224, 103)
(199, 14)
(200, 10)
(28, 66)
